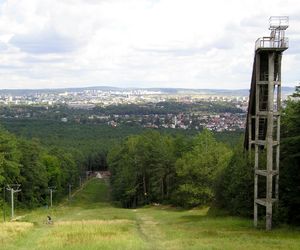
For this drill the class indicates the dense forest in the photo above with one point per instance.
(159, 168)
(51, 153)
(35, 167)
(90, 142)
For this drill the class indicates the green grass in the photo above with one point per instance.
(89, 221)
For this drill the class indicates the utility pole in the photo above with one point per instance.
(70, 190)
(79, 181)
(4, 215)
(13, 188)
(51, 189)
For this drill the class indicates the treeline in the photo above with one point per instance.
(35, 168)
(153, 167)
(290, 160)
(168, 107)
(90, 142)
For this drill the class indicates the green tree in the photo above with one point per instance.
(234, 185)
(290, 157)
(198, 169)
(54, 171)
(124, 173)
(33, 174)
(9, 158)
(69, 170)
(143, 169)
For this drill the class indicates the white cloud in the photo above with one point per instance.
(149, 43)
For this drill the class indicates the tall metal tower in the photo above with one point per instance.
(263, 121)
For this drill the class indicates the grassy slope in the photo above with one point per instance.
(90, 222)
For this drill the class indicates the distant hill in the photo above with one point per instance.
(223, 92)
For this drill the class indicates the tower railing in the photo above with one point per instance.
(270, 42)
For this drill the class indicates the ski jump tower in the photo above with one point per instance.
(263, 120)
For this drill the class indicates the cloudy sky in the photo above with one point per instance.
(139, 43)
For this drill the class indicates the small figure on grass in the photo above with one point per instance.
(49, 220)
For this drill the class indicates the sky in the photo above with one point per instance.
(139, 43)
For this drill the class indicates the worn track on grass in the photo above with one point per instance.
(90, 221)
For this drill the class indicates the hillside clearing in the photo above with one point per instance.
(89, 221)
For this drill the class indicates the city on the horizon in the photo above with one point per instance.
(216, 110)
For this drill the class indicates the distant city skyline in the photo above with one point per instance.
(139, 43)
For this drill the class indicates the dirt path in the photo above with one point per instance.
(84, 184)
(149, 230)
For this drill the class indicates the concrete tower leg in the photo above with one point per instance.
(269, 143)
